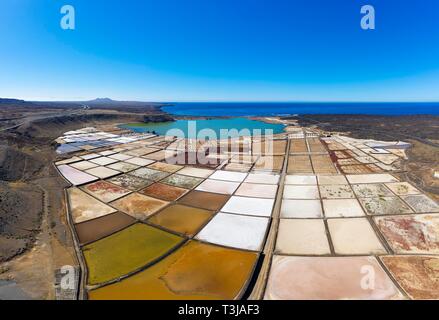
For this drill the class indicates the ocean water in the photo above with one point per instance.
(240, 109)
(191, 129)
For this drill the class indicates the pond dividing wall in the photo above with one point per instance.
(148, 229)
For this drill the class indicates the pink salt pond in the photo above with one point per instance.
(328, 278)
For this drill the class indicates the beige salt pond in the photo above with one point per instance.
(301, 179)
(301, 192)
(123, 167)
(354, 236)
(301, 209)
(302, 236)
(340, 191)
(84, 207)
(102, 172)
(103, 161)
(257, 190)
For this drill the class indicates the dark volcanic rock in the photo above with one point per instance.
(16, 165)
(158, 118)
(20, 218)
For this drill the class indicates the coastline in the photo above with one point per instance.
(281, 109)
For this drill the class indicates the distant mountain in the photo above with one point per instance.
(101, 101)
(107, 102)
(12, 101)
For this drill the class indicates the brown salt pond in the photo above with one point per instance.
(298, 146)
(204, 200)
(299, 164)
(126, 251)
(417, 275)
(162, 166)
(139, 206)
(269, 147)
(360, 168)
(195, 271)
(238, 167)
(96, 229)
(182, 219)
(163, 191)
(316, 146)
(323, 164)
(159, 155)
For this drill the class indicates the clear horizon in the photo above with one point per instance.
(226, 101)
(242, 101)
(220, 51)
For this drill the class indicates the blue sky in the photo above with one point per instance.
(220, 50)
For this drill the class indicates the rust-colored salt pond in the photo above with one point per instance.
(163, 191)
(417, 275)
(126, 251)
(204, 200)
(139, 206)
(98, 228)
(105, 191)
(182, 219)
(195, 271)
